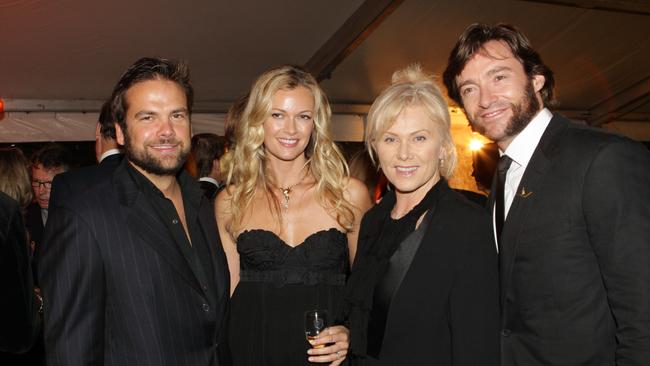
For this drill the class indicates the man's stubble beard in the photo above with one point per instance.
(149, 163)
(522, 113)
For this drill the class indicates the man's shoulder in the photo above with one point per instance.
(77, 182)
(593, 134)
(585, 139)
(77, 174)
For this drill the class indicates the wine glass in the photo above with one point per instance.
(315, 322)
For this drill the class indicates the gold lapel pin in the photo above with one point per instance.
(524, 193)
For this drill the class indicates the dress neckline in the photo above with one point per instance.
(279, 239)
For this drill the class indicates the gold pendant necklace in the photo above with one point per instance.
(286, 191)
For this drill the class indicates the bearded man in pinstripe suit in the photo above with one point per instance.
(133, 271)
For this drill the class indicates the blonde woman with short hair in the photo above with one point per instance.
(423, 290)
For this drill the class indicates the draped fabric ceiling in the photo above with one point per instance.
(61, 58)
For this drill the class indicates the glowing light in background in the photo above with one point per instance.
(475, 145)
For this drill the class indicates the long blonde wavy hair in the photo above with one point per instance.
(247, 159)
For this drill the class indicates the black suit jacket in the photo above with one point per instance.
(575, 253)
(445, 312)
(210, 190)
(18, 308)
(35, 228)
(34, 223)
(67, 185)
(117, 288)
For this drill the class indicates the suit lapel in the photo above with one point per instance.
(372, 221)
(525, 198)
(145, 223)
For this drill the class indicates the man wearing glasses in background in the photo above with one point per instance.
(47, 162)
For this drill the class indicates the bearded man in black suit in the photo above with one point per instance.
(133, 270)
(574, 249)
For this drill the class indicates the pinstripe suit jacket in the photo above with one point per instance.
(119, 291)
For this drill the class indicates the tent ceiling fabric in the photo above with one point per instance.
(75, 50)
(48, 126)
(595, 54)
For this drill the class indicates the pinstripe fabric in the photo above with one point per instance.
(118, 290)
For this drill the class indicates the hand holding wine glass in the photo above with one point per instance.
(315, 323)
(330, 344)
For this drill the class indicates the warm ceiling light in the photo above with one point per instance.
(475, 145)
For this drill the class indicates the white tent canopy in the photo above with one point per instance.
(18, 127)
(73, 51)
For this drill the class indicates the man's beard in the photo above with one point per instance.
(522, 113)
(151, 164)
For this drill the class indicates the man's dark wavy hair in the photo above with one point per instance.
(473, 40)
(150, 68)
(52, 155)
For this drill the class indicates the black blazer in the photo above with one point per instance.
(18, 308)
(73, 182)
(575, 253)
(117, 288)
(34, 223)
(446, 310)
(65, 186)
(210, 190)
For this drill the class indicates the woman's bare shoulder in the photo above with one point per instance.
(357, 193)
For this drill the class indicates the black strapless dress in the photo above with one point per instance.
(278, 283)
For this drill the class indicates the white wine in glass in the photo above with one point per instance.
(315, 322)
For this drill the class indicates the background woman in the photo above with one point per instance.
(18, 304)
(423, 289)
(14, 180)
(288, 221)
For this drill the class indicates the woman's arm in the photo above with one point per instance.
(223, 217)
(357, 194)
